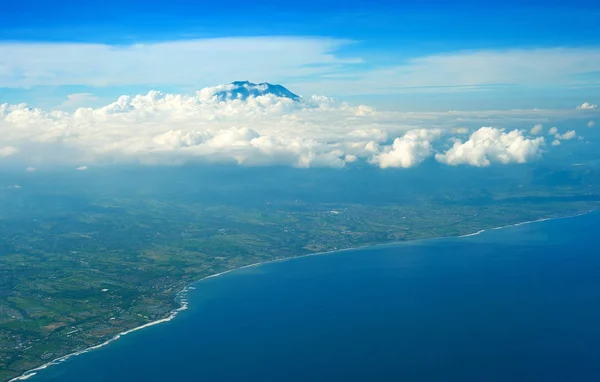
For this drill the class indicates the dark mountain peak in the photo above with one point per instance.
(242, 83)
(244, 89)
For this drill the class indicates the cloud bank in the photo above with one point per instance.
(312, 64)
(185, 62)
(158, 128)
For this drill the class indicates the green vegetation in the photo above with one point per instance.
(78, 266)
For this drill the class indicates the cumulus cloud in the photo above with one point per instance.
(553, 131)
(81, 168)
(555, 142)
(492, 145)
(350, 158)
(536, 130)
(173, 128)
(8, 151)
(158, 128)
(591, 124)
(407, 151)
(30, 169)
(571, 134)
(587, 106)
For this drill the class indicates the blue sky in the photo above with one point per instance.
(436, 55)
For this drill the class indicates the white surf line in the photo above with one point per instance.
(473, 234)
(523, 223)
(30, 373)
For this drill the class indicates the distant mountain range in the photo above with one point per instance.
(244, 89)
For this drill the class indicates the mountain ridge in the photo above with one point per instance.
(245, 89)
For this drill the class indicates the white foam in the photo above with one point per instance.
(474, 233)
(523, 223)
(32, 372)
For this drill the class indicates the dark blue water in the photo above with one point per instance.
(517, 304)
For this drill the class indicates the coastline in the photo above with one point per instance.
(180, 296)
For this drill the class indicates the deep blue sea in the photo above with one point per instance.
(515, 304)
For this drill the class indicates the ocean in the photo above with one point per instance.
(520, 303)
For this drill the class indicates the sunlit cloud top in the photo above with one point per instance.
(267, 129)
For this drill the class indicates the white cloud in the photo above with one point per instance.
(350, 158)
(536, 130)
(161, 128)
(571, 134)
(8, 151)
(587, 106)
(11, 187)
(78, 99)
(186, 62)
(492, 145)
(555, 142)
(471, 70)
(460, 130)
(553, 131)
(314, 63)
(81, 168)
(30, 169)
(407, 151)
(591, 124)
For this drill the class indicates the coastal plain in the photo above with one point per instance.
(91, 256)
